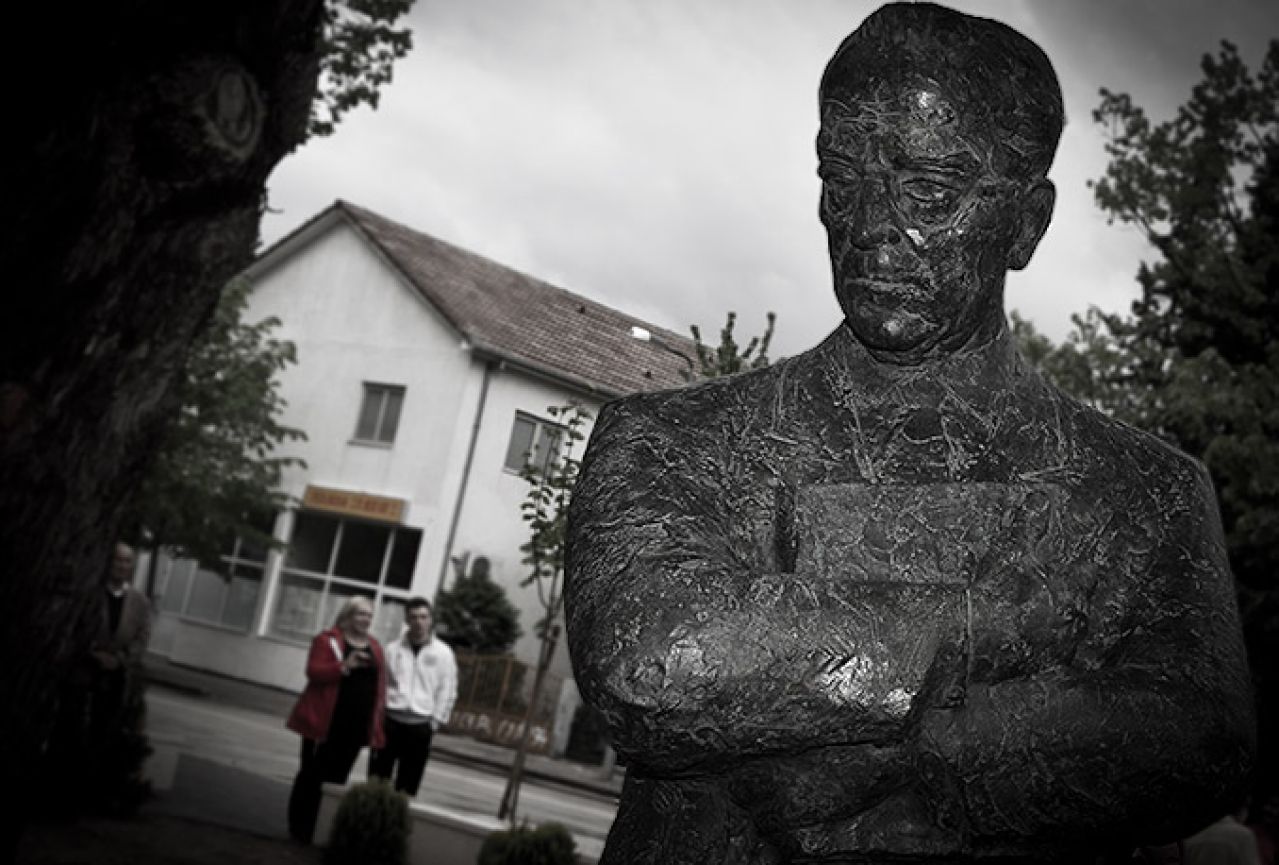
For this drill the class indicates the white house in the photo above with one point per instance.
(424, 374)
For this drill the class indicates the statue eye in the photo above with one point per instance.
(928, 190)
(838, 171)
(838, 197)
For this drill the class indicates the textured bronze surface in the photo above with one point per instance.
(897, 598)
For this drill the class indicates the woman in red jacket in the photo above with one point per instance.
(339, 712)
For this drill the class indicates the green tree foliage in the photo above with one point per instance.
(217, 470)
(1096, 368)
(1197, 360)
(548, 844)
(728, 357)
(371, 827)
(545, 510)
(588, 737)
(1091, 364)
(1203, 338)
(361, 45)
(1034, 346)
(475, 614)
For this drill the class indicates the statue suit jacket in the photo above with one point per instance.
(831, 611)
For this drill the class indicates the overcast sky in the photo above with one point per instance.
(657, 155)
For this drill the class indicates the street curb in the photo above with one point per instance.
(458, 756)
(158, 676)
(180, 687)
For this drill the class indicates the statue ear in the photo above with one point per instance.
(1036, 211)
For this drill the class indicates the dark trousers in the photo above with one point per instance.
(407, 744)
(322, 762)
(87, 741)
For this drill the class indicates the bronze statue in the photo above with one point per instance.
(898, 598)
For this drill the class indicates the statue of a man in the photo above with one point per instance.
(898, 598)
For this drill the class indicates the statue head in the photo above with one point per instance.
(937, 131)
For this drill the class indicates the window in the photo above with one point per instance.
(533, 442)
(379, 413)
(226, 596)
(329, 560)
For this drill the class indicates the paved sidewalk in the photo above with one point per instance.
(208, 792)
(235, 692)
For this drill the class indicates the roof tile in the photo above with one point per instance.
(525, 320)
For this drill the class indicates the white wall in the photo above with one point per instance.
(230, 653)
(491, 523)
(354, 320)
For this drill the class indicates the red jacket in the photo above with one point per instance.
(313, 712)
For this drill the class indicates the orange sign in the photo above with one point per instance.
(370, 507)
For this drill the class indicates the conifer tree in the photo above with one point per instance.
(475, 614)
(729, 358)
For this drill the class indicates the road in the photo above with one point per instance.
(210, 740)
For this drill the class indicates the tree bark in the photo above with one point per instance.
(509, 805)
(135, 196)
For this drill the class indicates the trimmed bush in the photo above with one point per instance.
(548, 844)
(588, 737)
(371, 827)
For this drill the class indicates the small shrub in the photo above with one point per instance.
(548, 844)
(588, 737)
(371, 827)
(475, 615)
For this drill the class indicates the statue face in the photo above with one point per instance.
(922, 224)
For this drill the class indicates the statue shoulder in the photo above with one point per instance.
(694, 412)
(1133, 457)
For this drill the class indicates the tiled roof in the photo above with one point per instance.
(514, 317)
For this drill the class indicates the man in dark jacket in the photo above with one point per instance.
(97, 744)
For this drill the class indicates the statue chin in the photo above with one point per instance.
(892, 336)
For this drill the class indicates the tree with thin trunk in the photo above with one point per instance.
(545, 510)
(218, 465)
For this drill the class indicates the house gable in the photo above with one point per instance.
(510, 316)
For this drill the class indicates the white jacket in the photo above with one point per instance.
(424, 684)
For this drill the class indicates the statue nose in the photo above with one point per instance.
(875, 225)
(878, 234)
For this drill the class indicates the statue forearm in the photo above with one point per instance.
(1116, 750)
(703, 695)
(781, 662)
(1147, 733)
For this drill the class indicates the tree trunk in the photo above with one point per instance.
(133, 195)
(511, 795)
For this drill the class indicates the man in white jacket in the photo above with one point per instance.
(421, 686)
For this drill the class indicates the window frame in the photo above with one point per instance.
(378, 593)
(541, 426)
(227, 563)
(382, 391)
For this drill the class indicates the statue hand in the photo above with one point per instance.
(785, 792)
